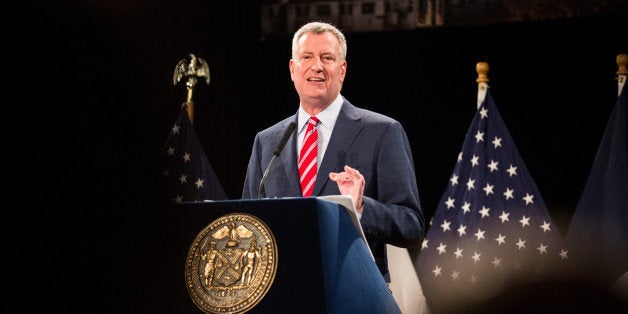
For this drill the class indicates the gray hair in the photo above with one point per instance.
(318, 28)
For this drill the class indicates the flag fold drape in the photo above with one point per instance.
(188, 174)
(491, 230)
(598, 232)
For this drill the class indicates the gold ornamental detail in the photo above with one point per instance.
(231, 264)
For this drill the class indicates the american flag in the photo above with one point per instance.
(598, 233)
(491, 228)
(187, 172)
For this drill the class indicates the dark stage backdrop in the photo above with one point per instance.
(92, 100)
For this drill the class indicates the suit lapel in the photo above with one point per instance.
(345, 131)
(289, 159)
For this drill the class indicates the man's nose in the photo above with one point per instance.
(318, 64)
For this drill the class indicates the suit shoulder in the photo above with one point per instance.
(369, 116)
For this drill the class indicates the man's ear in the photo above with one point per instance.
(343, 71)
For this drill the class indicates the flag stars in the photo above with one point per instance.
(424, 243)
(183, 179)
(479, 136)
(454, 180)
(185, 160)
(450, 202)
(484, 211)
(445, 225)
(501, 239)
(466, 208)
(199, 183)
(175, 129)
(462, 230)
(186, 157)
(476, 256)
(504, 216)
(542, 249)
(529, 199)
(512, 171)
(479, 235)
(488, 189)
(441, 248)
(458, 253)
(483, 113)
(497, 262)
(437, 271)
(483, 199)
(493, 165)
(470, 184)
(508, 193)
(473, 279)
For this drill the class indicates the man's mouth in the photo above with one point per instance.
(316, 79)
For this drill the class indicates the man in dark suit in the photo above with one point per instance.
(359, 152)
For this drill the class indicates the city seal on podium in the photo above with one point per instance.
(231, 264)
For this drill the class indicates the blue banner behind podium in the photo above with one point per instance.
(323, 264)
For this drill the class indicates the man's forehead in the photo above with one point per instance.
(326, 47)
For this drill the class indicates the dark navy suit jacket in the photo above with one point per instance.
(372, 143)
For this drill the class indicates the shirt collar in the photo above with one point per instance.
(327, 118)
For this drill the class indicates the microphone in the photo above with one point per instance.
(282, 143)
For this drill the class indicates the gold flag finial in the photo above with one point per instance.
(622, 61)
(622, 71)
(482, 80)
(482, 69)
(191, 68)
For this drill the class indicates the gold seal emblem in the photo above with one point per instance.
(231, 264)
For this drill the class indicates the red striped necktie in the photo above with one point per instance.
(307, 158)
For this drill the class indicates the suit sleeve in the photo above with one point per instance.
(392, 211)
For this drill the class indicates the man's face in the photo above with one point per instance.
(317, 71)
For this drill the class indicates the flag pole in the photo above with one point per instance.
(482, 80)
(622, 71)
(191, 68)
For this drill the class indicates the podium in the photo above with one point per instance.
(323, 264)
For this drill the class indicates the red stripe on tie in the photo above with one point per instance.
(307, 158)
